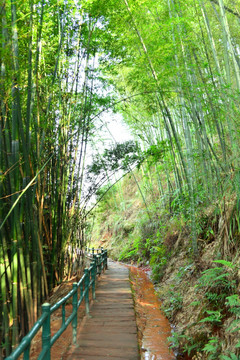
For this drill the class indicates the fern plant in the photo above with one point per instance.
(233, 304)
(214, 317)
(218, 283)
(230, 357)
(213, 348)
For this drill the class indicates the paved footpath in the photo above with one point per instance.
(109, 332)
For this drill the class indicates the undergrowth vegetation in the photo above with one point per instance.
(215, 329)
(199, 295)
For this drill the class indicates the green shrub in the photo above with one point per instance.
(131, 251)
(213, 348)
(218, 283)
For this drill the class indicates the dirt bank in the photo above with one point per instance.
(153, 326)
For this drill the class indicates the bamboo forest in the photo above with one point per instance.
(120, 128)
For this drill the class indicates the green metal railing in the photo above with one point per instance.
(87, 281)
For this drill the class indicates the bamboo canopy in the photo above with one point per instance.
(170, 68)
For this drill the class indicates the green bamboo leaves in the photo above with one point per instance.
(44, 112)
(186, 54)
(174, 66)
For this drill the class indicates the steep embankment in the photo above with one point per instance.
(199, 292)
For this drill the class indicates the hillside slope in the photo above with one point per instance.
(199, 294)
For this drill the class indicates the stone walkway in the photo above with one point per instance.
(109, 331)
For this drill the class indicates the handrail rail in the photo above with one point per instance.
(87, 281)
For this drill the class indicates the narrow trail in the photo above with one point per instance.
(109, 331)
(116, 328)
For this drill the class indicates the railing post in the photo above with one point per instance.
(81, 291)
(102, 260)
(106, 257)
(74, 305)
(46, 332)
(27, 353)
(95, 259)
(98, 257)
(92, 251)
(86, 271)
(93, 276)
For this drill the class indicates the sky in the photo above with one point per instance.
(118, 128)
(111, 130)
